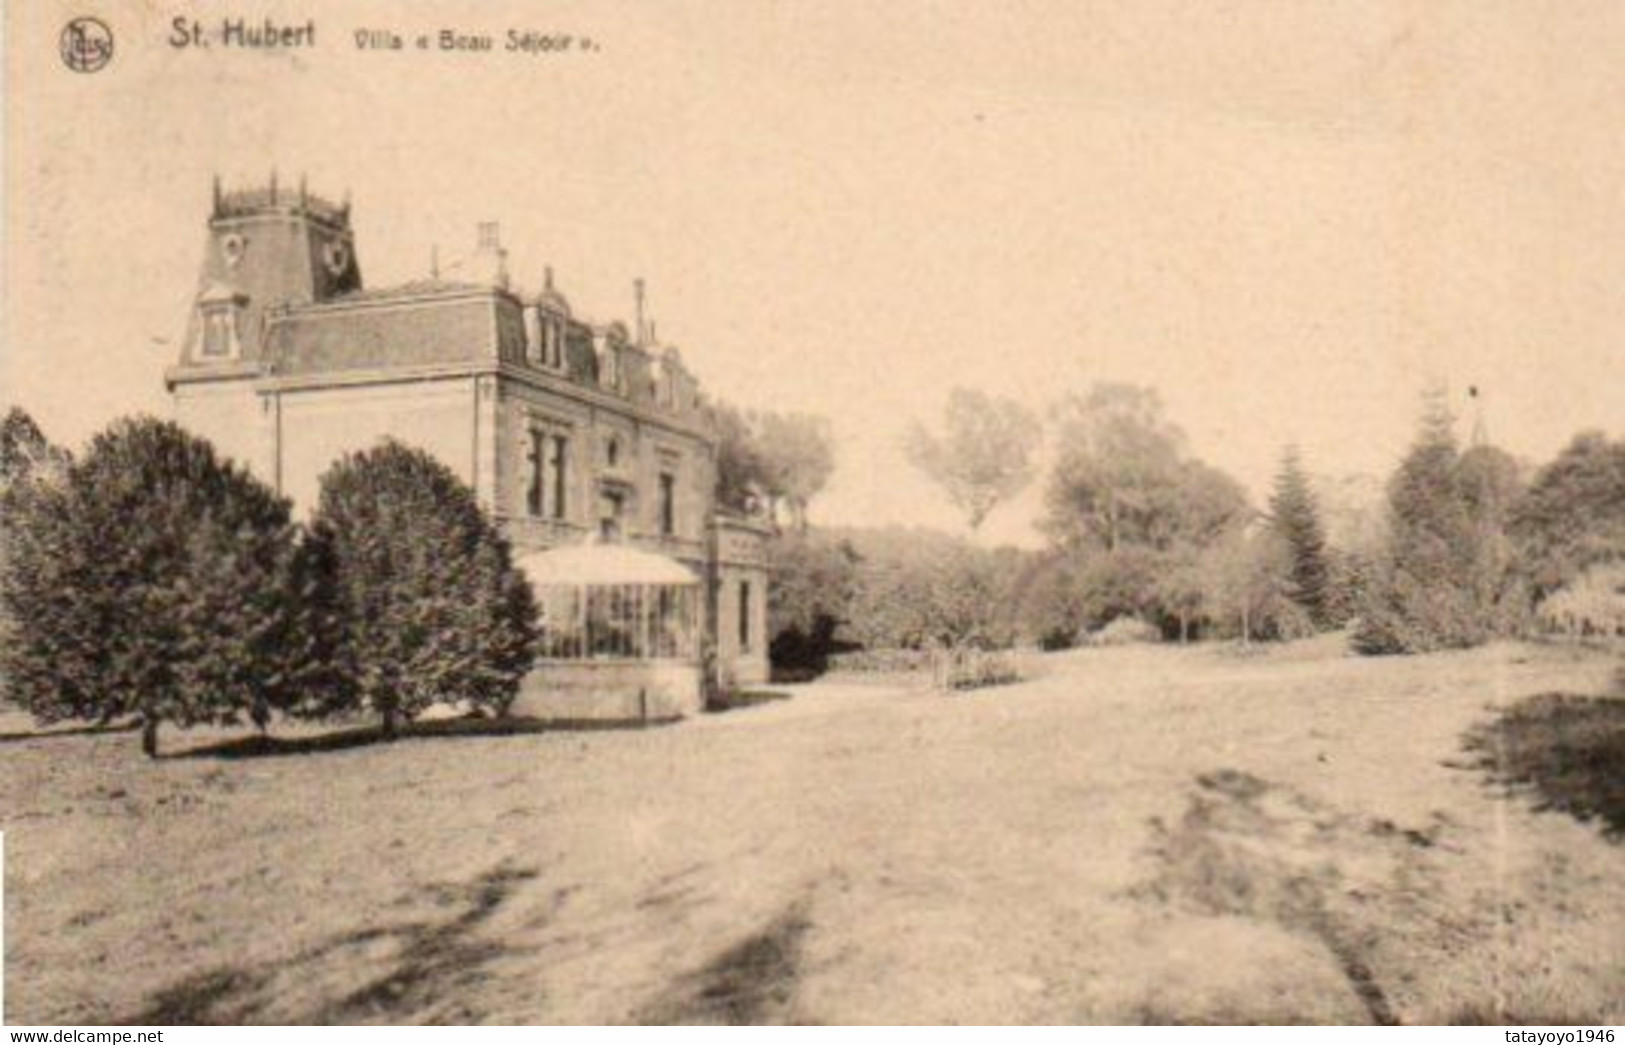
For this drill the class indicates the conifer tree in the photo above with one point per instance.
(1426, 596)
(427, 603)
(1295, 519)
(150, 582)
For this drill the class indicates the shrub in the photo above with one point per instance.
(426, 601)
(152, 580)
(1592, 606)
(1124, 631)
(814, 578)
(881, 661)
(915, 589)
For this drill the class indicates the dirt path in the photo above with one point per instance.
(1140, 835)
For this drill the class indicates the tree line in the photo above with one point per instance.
(152, 580)
(1463, 546)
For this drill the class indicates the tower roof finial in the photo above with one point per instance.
(1481, 432)
(642, 331)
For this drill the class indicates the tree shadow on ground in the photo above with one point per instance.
(1567, 750)
(432, 968)
(752, 982)
(264, 745)
(735, 700)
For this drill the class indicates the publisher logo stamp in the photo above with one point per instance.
(87, 45)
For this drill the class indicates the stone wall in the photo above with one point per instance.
(611, 691)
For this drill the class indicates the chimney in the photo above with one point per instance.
(642, 332)
(490, 260)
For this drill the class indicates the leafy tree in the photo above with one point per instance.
(740, 473)
(1295, 521)
(1048, 599)
(151, 581)
(797, 458)
(24, 450)
(428, 604)
(1247, 587)
(1182, 588)
(25, 456)
(984, 454)
(815, 578)
(916, 588)
(1122, 478)
(1572, 516)
(771, 460)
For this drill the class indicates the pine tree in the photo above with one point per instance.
(150, 582)
(1427, 594)
(426, 601)
(1295, 520)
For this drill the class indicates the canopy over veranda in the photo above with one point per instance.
(613, 602)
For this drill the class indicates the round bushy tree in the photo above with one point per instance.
(427, 603)
(150, 581)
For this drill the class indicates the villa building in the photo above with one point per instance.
(583, 439)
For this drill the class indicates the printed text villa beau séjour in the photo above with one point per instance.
(269, 34)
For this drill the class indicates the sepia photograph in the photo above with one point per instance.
(763, 512)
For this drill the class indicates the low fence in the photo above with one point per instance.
(945, 669)
(881, 661)
(960, 669)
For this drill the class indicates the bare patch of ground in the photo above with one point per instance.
(1141, 834)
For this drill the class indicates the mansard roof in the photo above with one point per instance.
(446, 324)
(417, 288)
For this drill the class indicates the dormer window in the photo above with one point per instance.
(219, 311)
(544, 339)
(220, 333)
(609, 366)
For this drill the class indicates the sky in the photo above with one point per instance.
(1289, 218)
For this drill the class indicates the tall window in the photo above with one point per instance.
(552, 350)
(219, 332)
(612, 506)
(744, 615)
(668, 504)
(534, 344)
(559, 466)
(538, 468)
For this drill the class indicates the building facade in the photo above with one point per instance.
(568, 431)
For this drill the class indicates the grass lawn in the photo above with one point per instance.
(1139, 834)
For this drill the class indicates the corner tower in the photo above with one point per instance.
(266, 247)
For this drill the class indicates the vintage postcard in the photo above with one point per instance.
(772, 512)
